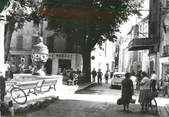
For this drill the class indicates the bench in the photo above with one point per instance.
(49, 84)
(31, 86)
(36, 86)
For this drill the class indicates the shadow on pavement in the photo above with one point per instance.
(76, 108)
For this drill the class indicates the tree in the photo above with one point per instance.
(3, 4)
(89, 22)
(16, 13)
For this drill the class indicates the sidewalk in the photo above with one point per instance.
(163, 106)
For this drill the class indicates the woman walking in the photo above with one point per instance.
(127, 92)
(144, 91)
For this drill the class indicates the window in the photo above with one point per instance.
(19, 45)
(167, 4)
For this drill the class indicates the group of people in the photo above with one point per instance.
(147, 85)
(99, 75)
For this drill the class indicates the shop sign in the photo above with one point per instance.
(61, 55)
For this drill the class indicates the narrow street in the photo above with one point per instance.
(98, 101)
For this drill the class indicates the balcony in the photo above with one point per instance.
(141, 44)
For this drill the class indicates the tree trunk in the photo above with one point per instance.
(87, 65)
(8, 35)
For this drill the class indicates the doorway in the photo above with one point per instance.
(48, 66)
(64, 64)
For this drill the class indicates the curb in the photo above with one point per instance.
(85, 87)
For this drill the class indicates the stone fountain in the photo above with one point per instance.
(39, 57)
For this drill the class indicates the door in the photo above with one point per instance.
(64, 64)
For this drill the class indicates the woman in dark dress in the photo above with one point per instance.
(127, 91)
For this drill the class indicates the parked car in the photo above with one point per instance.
(117, 79)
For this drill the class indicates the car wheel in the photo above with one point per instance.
(112, 86)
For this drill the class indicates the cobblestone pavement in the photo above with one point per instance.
(98, 101)
(74, 108)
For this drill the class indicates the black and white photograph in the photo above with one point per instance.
(84, 58)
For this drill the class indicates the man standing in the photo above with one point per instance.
(153, 81)
(99, 76)
(134, 80)
(94, 73)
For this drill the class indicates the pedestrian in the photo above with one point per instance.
(30, 69)
(22, 65)
(71, 74)
(99, 76)
(166, 83)
(134, 80)
(111, 74)
(153, 81)
(106, 76)
(127, 92)
(139, 78)
(2, 85)
(94, 73)
(7, 70)
(78, 71)
(144, 92)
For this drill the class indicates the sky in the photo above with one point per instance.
(126, 26)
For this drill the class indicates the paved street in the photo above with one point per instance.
(98, 101)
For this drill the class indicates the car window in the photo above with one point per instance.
(119, 76)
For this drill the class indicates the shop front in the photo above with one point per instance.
(64, 61)
(164, 67)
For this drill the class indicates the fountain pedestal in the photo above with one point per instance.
(39, 57)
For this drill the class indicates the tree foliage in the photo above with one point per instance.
(88, 22)
(3, 4)
(92, 21)
(16, 13)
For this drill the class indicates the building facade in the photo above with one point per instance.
(140, 58)
(60, 55)
(164, 42)
(124, 55)
(104, 57)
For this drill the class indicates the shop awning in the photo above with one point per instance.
(140, 44)
(20, 52)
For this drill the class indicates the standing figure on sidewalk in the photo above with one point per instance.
(22, 65)
(153, 81)
(166, 83)
(134, 80)
(144, 92)
(99, 76)
(127, 92)
(94, 73)
(106, 77)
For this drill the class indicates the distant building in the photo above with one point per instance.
(152, 42)
(124, 55)
(139, 34)
(164, 39)
(104, 57)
